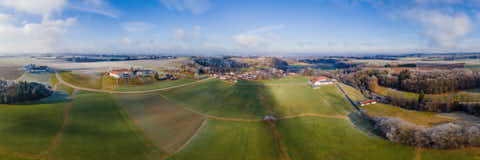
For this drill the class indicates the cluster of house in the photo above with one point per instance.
(367, 102)
(252, 75)
(322, 80)
(32, 68)
(129, 73)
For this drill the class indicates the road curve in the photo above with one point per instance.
(60, 80)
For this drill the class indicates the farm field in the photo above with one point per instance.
(353, 93)
(318, 138)
(215, 97)
(291, 100)
(154, 85)
(82, 79)
(169, 125)
(26, 131)
(44, 78)
(10, 72)
(426, 119)
(289, 80)
(219, 140)
(98, 128)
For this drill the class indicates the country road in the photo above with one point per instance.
(60, 80)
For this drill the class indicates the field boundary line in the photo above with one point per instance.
(60, 80)
(189, 140)
(312, 115)
(59, 135)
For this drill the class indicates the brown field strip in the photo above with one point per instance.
(58, 137)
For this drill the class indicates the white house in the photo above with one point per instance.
(318, 81)
(122, 73)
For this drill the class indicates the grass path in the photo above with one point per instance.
(282, 148)
(58, 137)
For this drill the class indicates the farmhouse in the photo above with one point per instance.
(145, 73)
(318, 81)
(367, 102)
(121, 73)
(32, 68)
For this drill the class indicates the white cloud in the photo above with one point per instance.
(41, 7)
(449, 2)
(249, 41)
(194, 6)
(100, 7)
(443, 29)
(258, 37)
(45, 36)
(137, 26)
(179, 35)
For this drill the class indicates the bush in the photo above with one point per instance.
(443, 136)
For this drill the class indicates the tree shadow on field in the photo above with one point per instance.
(364, 125)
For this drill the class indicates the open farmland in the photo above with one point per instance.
(219, 140)
(93, 80)
(169, 125)
(153, 85)
(290, 100)
(10, 72)
(99, 129)
(26, 131)
(426, 119)
(215, 97)
(318, 138)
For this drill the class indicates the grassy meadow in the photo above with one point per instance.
(219, 140)
(82, 79)
(153, 85)
(221, 99)
(290, 100)
(333, 139)
(168, 125)
(426, 119)
(98, 129)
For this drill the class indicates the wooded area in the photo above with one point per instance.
(12, 92)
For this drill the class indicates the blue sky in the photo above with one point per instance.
(240, 27)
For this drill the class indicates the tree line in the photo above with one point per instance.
(418, 81)
(15, 92)
(442, 136)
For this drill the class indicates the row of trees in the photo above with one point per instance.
(443, 136)
(11, 92)
(418, 81)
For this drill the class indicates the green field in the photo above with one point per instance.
(169, 125)
(154, 85)
(318, 138)
(99, 129)
(219, 140)
(26, 131)
(44, 78)
(82, 79)
(160, 125)
(221, 99)
(290, 100)
(426, 119)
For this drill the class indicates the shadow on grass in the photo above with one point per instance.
(364, 125)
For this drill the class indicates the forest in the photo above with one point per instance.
(16, 92)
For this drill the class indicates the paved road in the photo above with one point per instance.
(60, 80)
(346, 95)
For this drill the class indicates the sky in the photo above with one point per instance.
(239, 27)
